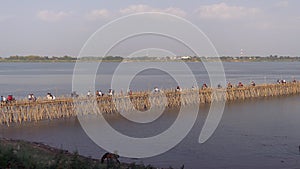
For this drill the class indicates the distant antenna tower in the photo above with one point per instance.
(242, 53)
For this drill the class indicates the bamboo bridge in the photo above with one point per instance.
(25, 111)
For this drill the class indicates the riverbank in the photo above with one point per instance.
(23, 154)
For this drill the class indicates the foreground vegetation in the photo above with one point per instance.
(26, 155)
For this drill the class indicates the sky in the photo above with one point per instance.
(58, 28)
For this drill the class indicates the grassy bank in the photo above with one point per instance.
(16, 154)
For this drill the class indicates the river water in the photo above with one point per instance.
(261, 133)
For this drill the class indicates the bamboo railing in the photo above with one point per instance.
(42, 109)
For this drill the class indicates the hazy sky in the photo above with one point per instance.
(57, 28)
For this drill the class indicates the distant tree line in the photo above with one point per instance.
(113, 58)
(259, 58)
(36, 58)
(56, 58)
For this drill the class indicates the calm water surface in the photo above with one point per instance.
(261, 133)
(20, 79)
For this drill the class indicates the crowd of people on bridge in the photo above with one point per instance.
(31, 97)
(49, 96)
(98, 93)
(7, 99)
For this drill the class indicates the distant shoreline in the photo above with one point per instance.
(114, 61)
(71, 59)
